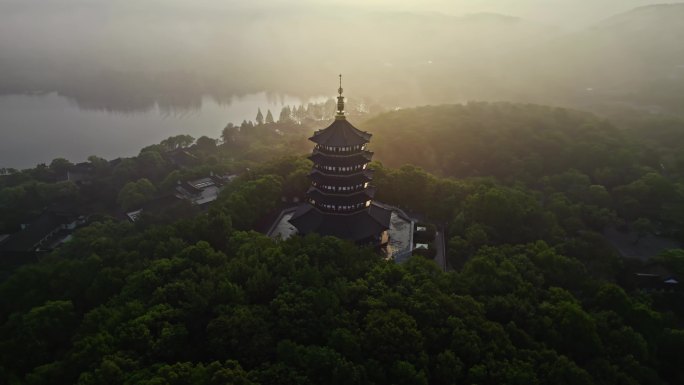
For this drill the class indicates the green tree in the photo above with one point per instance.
(178, 141)
(259, 117)
(285, 115)
(59, 166)
(206, 144)
(229, 133)
(643, 227)
(134, 194)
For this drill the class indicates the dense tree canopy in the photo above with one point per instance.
(127, 306)
(524, 194)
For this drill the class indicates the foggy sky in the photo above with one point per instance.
(560, 12)
(96, 50)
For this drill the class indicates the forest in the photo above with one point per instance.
(536, 292)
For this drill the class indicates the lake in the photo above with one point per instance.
(37, 129)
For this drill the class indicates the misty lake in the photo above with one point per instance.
(37, 129)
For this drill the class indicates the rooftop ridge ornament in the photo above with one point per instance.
(340, 103)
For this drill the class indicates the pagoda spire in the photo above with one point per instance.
(340, 103)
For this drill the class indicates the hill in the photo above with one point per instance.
(503, 140)
(537, 145)
(634, 59)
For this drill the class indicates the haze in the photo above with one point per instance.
(129, 55)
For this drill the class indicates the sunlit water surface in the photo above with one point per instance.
(37, 129)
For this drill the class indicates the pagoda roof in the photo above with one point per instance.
(340, 133)
(336, 160)
(341, 199)
(359, 226)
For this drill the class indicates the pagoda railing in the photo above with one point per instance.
(347, 150)
(327, 191)
(338, 172)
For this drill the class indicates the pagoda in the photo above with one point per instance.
(340, 198)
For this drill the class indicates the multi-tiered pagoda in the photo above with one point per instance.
(340, 199)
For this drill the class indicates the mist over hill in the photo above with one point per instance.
(134, 58)
(634, 58)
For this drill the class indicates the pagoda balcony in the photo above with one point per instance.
(341, 151)
(322, 194)
(340, 170)
(339, 189)
(340, 209)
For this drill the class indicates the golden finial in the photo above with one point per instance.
(340, 102)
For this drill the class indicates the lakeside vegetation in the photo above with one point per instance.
(538, 295)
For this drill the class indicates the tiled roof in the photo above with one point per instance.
(359, 226)
(339, 134)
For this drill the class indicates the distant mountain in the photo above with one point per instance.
(635, 58)
(398, 58)
(401, 58)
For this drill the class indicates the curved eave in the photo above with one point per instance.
(366, 153)
(350, 160)
(355, 226)
(359, 177)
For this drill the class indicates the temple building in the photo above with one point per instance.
(340, 198)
